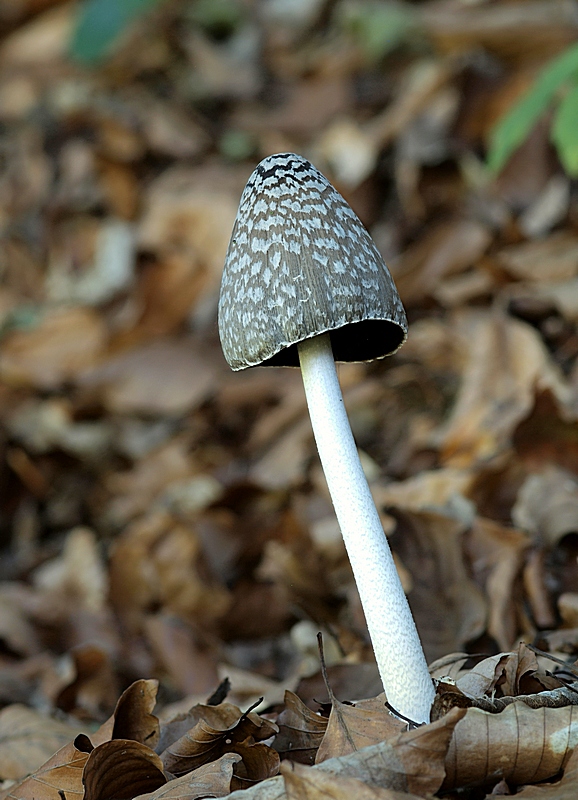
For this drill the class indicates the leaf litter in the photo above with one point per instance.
(164, 524)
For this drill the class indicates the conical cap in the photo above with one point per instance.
(300, 263)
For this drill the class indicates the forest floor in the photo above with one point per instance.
(164, 522)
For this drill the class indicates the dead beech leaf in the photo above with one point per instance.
(526, 261)
(305, 783)
(28, 739)
(547, 505)
(352, 727)
(258, 763)
(121, 768)
(508, 356)
(564, 789)
(61, 773)
(446, 250)
(167, 376)
(413, 761)
(300, 731)
(210, 780)
(133, 717)
(520, 745)
(496, 554)
(56, 350)
(430, 547)
(220, 730)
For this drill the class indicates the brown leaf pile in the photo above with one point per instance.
(163, 519)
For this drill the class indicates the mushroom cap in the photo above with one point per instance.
(300, 263)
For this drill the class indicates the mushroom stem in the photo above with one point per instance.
(395, 639)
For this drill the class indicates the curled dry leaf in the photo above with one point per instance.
(520, 745)
(210, 780)
(121, 768)
(496, 553)
(222, 729)
(133, 717)
(564, 789)
(352, 727)
(28, 739)
(258, 763)
(412, 761)
(509, 356)
(61, 773)
(300, 731)
(430, 547)
(304, 783)
(56, 350)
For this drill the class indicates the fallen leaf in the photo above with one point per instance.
(210, 780)
(526, 261)
(28, 739)
(220, 729)
(352, 727)
(445, 250)
(509, 356)
(61, 773)
(64, 343)
(520, 744)
(411, 761)
(547, 505)
(496, 554)
(565, 789)
(300, 731)
(121, 768)
(162, 377)
(430, 547)
(133, 717)
(304, 783)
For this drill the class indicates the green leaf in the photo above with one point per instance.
(99, 23)
(564, 132)
(379, 27)
(515, 126)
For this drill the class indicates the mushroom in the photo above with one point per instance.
(304, 284)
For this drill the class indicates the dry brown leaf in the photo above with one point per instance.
(258, 762)
(133, 717)
(520, 744)
(162, 377)
(446, 250)
(496, 555)
(41, 41)
(300, 731)
(220, 729)
(191, 212)
(527, 261)
(155, 562)
(121, 768)
(61, 773)
(304, 783)
(188, 665)
(547, 505)
(210, 780)
(511, 30)
(28, 739)
(64, 343)
(508, 356)
(564, 789)
(430, 547)
(352, 727)
(411, 761)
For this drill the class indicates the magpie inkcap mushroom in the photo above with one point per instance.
(304, 284)
(300, 263)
